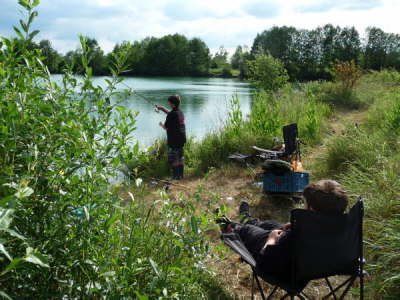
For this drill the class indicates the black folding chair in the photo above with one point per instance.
(292, 144)
(323, 246)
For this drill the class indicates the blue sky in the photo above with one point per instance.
(217, 22)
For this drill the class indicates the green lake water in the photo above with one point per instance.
(205, 103)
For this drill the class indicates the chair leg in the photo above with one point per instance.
(330, 287)
(260, 288)
(284, 297)
(361, 286)
(272, 293)
(252, 287)
(338, 287)
(347, 287)
(304, 295)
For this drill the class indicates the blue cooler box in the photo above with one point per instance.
(290, 182)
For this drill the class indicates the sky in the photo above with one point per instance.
(227, 23)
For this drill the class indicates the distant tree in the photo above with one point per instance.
(52, 58)
(240, 60)
(382, 50)
(220, 58)
(277, 41)
(97, 59)
(167, 56)
(237, 57)
(199, 57)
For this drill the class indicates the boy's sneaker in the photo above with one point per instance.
(225, 224)
(244, 212)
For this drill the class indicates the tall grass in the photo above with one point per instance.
(366, 159)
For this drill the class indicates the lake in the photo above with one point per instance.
(205, 103)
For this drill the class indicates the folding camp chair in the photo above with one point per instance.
(292, 144)
(323, 246)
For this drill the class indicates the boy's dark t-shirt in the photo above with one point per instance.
(176, 131)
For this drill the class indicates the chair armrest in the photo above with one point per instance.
(264, 150)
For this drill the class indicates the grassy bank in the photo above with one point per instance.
(365, 158)
(363, 154)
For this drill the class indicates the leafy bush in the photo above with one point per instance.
(268, 72)
(61, 146)
(342, 92)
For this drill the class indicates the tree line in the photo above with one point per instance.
(305, 54)
(308, 54)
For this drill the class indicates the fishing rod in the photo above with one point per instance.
(142, 96)
(168, 182)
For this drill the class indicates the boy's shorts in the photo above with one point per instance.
(175, 155)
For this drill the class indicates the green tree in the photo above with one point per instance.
(220, 58)
(199, 57)
(382, 50)
(240, 60)
(51, 58)
(268, 72)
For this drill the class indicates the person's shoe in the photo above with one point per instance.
(181, 168)
(225, 224)
(175, 173)
(244, 212)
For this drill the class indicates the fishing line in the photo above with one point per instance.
(143, 97)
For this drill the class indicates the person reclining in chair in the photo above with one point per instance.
(269, 242)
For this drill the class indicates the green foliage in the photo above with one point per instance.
(64, 230)
(267, 72)
(342, 91)
(366, 159)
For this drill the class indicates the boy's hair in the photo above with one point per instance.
(326, 196)
(175, 100)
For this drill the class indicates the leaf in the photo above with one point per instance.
(33, 34)
(108, 274)
(193, 223)
(155, 267)
(14, 234)
(24, 26)
(32, 16)
(18, 32)
(8, 201)
(87, 215)
(24, 3)
(12, 265)
(4, 295)
(111, 221)
(3, 249)
(36, 258)
(24, 192)
(35, 3)
(5, 218)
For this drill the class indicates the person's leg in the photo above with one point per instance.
(253, 237)
(246, 218)
(180, 162)
(173, 161)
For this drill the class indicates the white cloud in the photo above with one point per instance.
(222, 22)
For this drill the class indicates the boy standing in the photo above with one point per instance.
(176, 135)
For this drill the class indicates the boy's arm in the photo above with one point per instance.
(162, 108)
